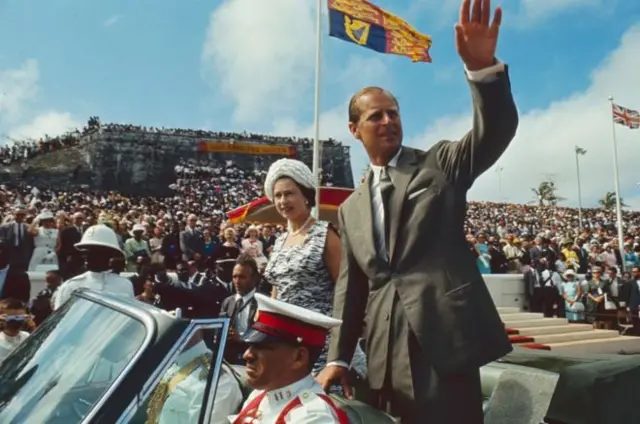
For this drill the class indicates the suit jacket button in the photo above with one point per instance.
(386, 317)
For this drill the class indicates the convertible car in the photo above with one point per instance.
(100, 359)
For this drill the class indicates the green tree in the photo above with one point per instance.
(547, 193)
(608, 201)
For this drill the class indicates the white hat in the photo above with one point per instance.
(569, 272)
(294, 169)
(99, 235)
(138, 227)
(45, 215)
(278, 321)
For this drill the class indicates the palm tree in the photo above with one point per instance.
(608, 202)
(546, 193)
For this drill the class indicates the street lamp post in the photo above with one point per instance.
(499, 170)
(579, 152)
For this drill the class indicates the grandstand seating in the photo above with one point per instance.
(140, 161)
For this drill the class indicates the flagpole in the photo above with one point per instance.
(617, 186)
(317, 161)
(578, 153)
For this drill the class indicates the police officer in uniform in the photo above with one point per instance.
(178, 398)
(99, 245)
(284, 343)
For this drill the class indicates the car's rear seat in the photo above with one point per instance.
(361, 413)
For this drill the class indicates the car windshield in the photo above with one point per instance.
(60, 372)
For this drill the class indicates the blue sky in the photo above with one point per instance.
(247, 65)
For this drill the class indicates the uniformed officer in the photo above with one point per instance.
(179, 397)
(284, 343)
(99, 245)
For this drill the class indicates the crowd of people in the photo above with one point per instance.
(154, 232)
(178, 258)
(503, 235)
(20, 150)
(500, 235)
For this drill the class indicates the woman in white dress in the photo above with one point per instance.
(45, 235)
(251, 245)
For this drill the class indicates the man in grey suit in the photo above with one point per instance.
(406, 269)
(192, 241)
(17, 235)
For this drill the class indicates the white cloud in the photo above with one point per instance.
(17, 87)
(439, 13)
(111, 20)
(535, 10)
(363, 71)
(546, 138)
(359, 72)
(51, 123)
(18, 117)
(260, 55)
(333, 124)
(520, 14)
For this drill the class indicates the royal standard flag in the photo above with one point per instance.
(367, 25)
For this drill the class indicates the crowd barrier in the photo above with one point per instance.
(505, 289)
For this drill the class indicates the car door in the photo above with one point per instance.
(183, 387)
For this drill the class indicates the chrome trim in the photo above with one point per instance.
(150, 326)
(174, 352)
(213, 389)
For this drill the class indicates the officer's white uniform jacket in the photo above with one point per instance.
(312, 410)
(106, 282)
(184, 403)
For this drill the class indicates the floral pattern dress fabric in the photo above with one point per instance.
(301, 278)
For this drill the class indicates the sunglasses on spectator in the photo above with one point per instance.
(15, 318)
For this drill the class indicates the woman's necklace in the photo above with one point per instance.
(302, 227)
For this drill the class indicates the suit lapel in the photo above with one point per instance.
(252, 311)
(364, 204)
(402, 175)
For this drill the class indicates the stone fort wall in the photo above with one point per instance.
(143, 163)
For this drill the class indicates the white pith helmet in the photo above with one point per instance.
(99, 235)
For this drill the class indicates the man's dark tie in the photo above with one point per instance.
(386, 188)
(237, 308)
(236, 311)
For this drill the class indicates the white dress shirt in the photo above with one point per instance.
(3, 277)
(242, 318)
(377, 206)
(8, 343)
(18, 229)
(191, 282)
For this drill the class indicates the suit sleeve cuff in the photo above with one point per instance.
(338, 364)
(485, 75)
